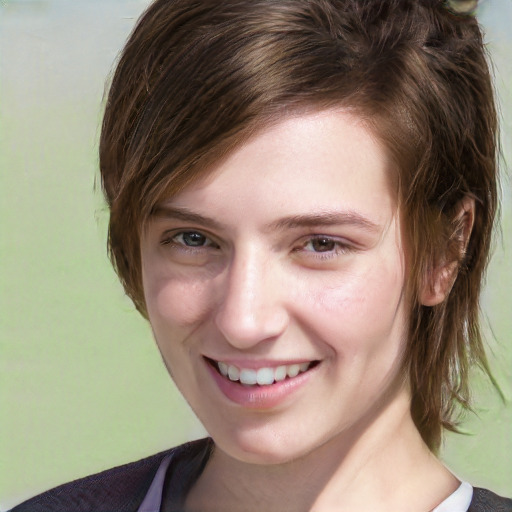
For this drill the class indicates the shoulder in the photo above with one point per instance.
(121, 488)
(486, 501)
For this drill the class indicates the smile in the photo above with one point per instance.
(264, 376)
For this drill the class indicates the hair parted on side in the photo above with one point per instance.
(197, 78)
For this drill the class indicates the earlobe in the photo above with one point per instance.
(438, 284)
(439, 281)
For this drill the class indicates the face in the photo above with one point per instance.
(275, 288)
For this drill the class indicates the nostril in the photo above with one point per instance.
(246, 329)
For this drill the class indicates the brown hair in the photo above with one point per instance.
(197, 78)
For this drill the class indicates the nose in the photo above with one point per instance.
(252, 307)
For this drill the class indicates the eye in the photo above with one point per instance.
(190, 247)
(322, 250)
(192, 239)
(321, 244)
(188, 240)
(324, 244)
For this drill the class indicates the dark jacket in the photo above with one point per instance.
(123, 488)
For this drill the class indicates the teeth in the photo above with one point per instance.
(263, 376)
(280, 373)
(293, 370)
(223, 368)
(248, 377)
(233, 373)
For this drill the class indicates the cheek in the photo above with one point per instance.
(176, 300)
(358, 310)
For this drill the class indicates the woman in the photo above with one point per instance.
(302, 195)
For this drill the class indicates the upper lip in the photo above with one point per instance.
(255, 364)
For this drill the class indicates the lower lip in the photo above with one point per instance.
(259, 397)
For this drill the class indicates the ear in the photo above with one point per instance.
(441, 277)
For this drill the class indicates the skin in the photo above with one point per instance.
(291, 251)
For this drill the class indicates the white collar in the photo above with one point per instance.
(459, 501)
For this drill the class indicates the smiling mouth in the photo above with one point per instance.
(264, 376)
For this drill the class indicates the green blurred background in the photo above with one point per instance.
(82, 386)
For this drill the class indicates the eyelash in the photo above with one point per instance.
(170, 239)
(339, 247)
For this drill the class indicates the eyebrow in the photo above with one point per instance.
(184, 214)
(327, 218)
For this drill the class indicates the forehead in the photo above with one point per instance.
(307, 163)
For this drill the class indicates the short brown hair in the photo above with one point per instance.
(197, 78)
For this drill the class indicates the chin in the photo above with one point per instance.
(265, 448)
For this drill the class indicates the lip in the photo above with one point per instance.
(254, 364)
(259, 397)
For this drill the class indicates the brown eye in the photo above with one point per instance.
(322, 244)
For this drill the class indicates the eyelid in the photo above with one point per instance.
(341, 246)
(339, 241)
(168, 236)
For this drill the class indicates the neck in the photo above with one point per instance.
(383, 465)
